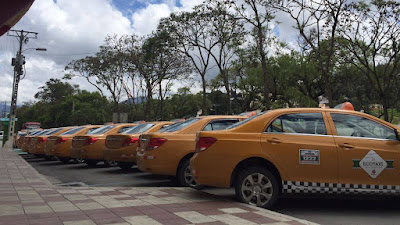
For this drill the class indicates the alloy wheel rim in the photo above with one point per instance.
(189, 178)
(79, 160)
(112, 163)
(257, 189)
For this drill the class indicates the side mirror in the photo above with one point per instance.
(397, 134)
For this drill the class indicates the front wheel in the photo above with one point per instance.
(257, 186)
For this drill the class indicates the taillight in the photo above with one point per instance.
(204, 142)
(90, 141)
(129, 141)
(155, 143)
(61, 140)
(41, 139)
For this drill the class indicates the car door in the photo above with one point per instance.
(303, 146)
(369, 152)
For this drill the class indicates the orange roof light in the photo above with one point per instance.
(345, 106)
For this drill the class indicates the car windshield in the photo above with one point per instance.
(245, 121)
(181, 125)
(139, 128)
(102, 130)
(72, 131)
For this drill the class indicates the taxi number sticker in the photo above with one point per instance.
(309, 156)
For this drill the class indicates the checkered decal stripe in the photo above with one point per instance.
(331, 188)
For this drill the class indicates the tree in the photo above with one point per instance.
(107, 69)
(318, 23)
(55, 91)
(190, 31)
(372, 36)
(229, 33)
(168, 62)
(258, 14)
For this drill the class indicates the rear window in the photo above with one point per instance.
(39, 133)
(73, 131)
(220, 124)
(102, 130)
(91, 130)
(169, 126)
(246, 120)
(181, 125)
(54, 131)
(139, 128)
(123, 129)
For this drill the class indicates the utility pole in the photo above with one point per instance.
(18, 62)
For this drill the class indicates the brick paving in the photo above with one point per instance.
(26, 197)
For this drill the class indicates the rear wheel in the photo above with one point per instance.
(110, 163)
(125, 165)
(91, 162)
(64, 160)
(184, 176)
(257, 186)
(48, 157)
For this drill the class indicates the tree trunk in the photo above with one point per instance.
(147, 110)
(328, 89)
(161, 102)
(228, 92)
(385, 110)
(267, 102)
(204, 107)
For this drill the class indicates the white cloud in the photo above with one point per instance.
(65, 28)
(146, 20)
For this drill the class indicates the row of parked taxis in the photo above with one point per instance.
(302, 150)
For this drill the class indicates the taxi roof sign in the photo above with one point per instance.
(345, 106)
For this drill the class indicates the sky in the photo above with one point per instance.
(73, 29)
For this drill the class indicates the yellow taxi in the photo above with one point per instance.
(59, 145)
(24, 141)
(303, 150)
(121, 148)
(90, 147)
(38, 142)
(168, 152)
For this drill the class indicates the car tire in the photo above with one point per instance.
(184, 176)
(48, 158)
(109, 163)
(64, 160)
(91, 162)
(125, 165)
(257, 186)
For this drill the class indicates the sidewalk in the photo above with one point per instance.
(26, 197)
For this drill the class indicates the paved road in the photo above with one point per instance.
(331, 211)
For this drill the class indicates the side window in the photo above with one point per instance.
(301, 123)
(220, 124)
(123, 129)
(357, 126)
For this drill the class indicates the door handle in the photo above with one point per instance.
(274, 141)
(347, 146)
